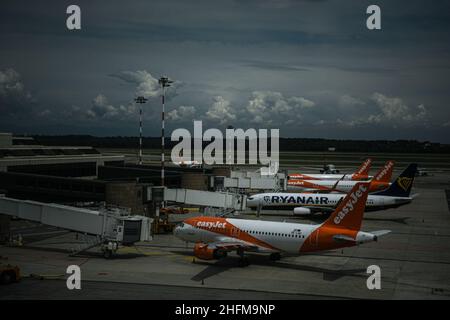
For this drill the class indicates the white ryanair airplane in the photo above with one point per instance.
(214, 237)
(396, 195)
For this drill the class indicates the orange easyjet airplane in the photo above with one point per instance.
(361, 174)
(214, 237)
(380, 181)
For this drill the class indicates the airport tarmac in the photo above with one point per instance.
(414, 261)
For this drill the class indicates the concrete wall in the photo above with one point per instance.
(221, 171)
(193, 180)
(126, 194)
(5, 140)
(4, 227)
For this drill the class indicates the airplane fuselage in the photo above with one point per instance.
(269, 236)
(319, 200)
(331, 185)
(313, 176)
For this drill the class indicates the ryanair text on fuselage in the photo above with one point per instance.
(296, 199)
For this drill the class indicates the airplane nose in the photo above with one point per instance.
(178, 231)
(252, 201)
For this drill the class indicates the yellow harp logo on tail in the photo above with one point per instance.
(404, 182)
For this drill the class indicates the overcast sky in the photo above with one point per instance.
(310, 68)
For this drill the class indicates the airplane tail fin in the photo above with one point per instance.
(349, 213)
(363, 170)
(385, 173)
(401, 187)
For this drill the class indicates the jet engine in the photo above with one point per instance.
(302, 211)
(202, 251)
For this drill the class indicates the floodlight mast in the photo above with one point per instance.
(140, 100)
(164, 82)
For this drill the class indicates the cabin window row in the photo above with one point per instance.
(288, 235)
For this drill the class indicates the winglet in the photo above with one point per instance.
(385, 173)
(363, 170)
(349, 213)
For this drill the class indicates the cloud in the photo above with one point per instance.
(396, 111)
(272, 107)
(349, 101)
(260, 109)
(182, 113)
(146, 84)
(386, 111)
(14, 98)
(272, 66)
(102, 109)
(221, 111)
(45, 113)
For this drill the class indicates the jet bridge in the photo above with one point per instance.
(250, 181)
(222, 200)
(111, 227)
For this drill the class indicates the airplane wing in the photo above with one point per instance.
(333, 188)
(337, 182)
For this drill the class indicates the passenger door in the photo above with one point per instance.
(235, 232)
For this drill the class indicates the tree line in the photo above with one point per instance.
(286, 144)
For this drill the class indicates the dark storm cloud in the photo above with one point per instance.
(272, 66)
(14, 97)
(246, 62)
(277, 66)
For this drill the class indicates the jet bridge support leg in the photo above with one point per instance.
(109, 249)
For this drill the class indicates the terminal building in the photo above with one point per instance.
(74, 176)
(24, 155)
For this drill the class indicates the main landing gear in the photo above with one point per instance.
(243, 261)
(275, 256)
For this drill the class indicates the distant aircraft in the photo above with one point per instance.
(422, 173)
(361, 174)
(379, 182)
(396, 195)
(215, 237)
(329, 169)
(188, 164)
